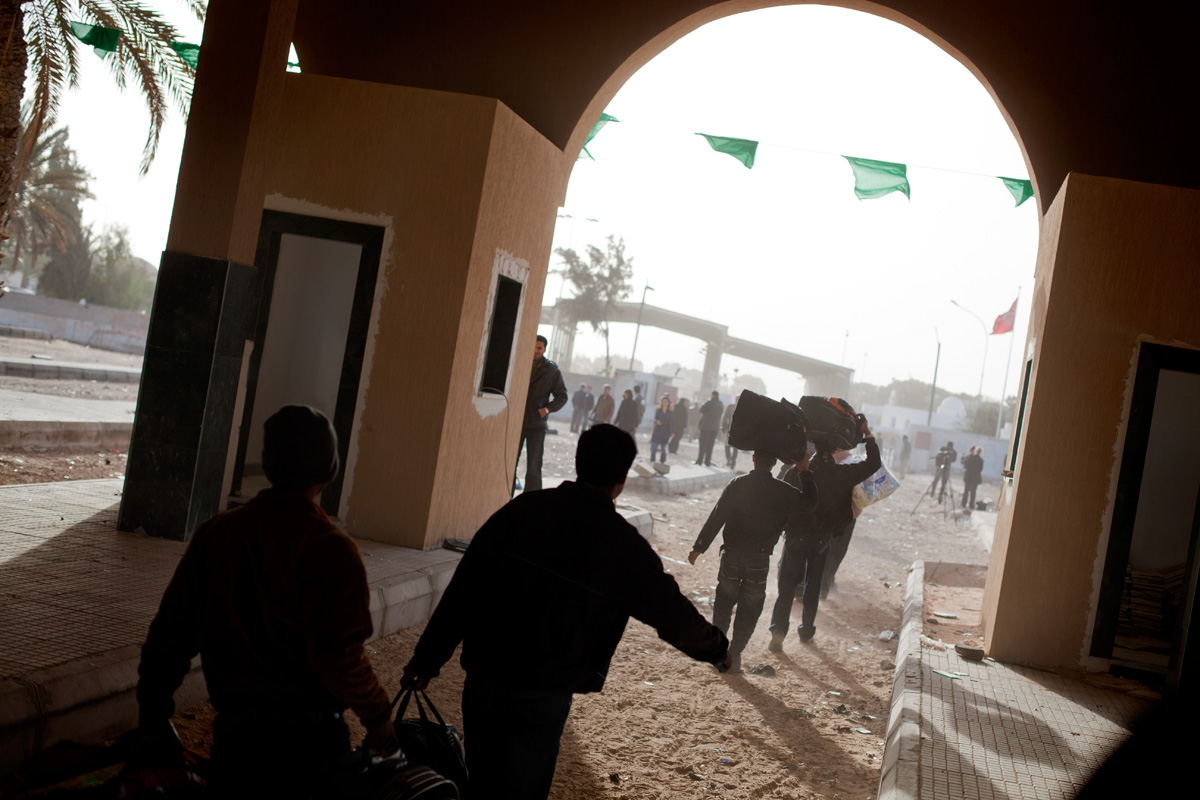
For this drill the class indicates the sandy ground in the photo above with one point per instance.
(811, 725)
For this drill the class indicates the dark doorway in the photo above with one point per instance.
(316, 293)
(1148, 585)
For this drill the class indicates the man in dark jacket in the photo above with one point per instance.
(710, 423)
(972, 475)
(547, 394)
(273, 597)
(752, 510)
(579, 408)
(807, 537)
(570, 571)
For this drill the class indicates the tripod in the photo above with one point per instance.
(947, 500)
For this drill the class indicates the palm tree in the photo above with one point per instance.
(36, 34)
(45, 209)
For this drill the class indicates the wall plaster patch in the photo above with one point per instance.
(292, 205)
(505, 264)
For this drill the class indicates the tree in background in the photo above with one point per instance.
(981, 417)
(598, 283)
(45, 213)
(38, 37)
(67, 273)
(118, 278)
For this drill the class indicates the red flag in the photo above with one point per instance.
(1004, 322)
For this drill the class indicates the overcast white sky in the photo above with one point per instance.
(784, 253)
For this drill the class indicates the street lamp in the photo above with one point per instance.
(638, 329)
(985, 344)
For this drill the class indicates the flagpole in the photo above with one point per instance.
(1007, 366)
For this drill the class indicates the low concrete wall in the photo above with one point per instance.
(96, 326)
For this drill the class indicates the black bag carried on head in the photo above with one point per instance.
(832, 422)
(775, 427)
(429, 743)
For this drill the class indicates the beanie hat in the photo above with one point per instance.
(300, 448)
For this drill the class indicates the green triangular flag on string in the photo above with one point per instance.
(103, 40)
(874, 179)
(600, 123)
(1021, 190)
(188, 52)
(741, 149)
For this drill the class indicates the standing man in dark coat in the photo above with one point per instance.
(578, 408)
(273, 597)
(640, 399)
(681, 424)
(752, 510)
(627, 414)
(807, 537)
(972, 475)
(710, 423)
(547, 394)
(573, 571)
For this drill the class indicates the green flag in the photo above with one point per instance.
(188, 52)
(103, 40)
(1021, 190)
(874, 179)
(600, 123)
(741, 149)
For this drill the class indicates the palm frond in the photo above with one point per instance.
(144, 55)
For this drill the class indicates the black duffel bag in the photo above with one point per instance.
(430, 743)
(774, 427)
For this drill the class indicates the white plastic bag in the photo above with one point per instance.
(875, 488)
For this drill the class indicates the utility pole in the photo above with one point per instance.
(933, 391)
(638, 329)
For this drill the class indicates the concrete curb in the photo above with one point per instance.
(900, 777)
(75, 372)
(100, 435)
(668, 485)
(24, 333)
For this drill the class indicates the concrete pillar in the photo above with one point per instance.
(205, 300)
(710, 377)
(1051, 543)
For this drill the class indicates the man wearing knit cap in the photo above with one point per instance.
(273, 597)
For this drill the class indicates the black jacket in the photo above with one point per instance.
(543, 594)
(627, 415)
(710, 415)
(545, 381)
(972, 469)
(835, 486)
(753, 509)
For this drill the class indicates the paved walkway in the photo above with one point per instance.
(69, 370)
(992, 731)
(45, 420)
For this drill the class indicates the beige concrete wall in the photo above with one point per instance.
(1117, 266)
(452, 178)
(478, 451)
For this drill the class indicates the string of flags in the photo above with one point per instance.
(106, 40)
(872, 178)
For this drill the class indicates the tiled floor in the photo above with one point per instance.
(1000, 731)
(71, 585)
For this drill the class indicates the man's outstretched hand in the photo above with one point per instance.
(692, 556)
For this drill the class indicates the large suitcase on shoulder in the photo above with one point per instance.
(763, 425)
(832, 422)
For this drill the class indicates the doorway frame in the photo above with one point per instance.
(275, 225)
(1152, 359)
